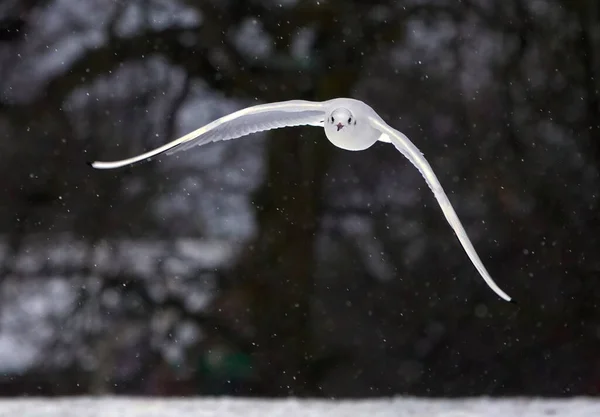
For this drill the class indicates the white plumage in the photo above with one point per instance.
(349, 124)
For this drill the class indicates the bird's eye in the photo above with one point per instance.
(349, 120)
(332, 119)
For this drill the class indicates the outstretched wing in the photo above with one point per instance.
(240, 123)
(412, 153)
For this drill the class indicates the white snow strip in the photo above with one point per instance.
(228, 407)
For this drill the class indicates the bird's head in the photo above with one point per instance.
(348, 132)
(342, 118)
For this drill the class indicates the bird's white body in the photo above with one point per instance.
(348, 123)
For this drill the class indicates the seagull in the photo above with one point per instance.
(349, 124)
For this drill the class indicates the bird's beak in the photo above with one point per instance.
(339, 126)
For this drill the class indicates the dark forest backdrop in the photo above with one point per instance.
(278, 264)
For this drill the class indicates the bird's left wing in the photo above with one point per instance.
(240, 123)
(412, 153)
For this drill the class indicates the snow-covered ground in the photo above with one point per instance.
(226, 407)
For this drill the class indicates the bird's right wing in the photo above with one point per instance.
(412, 153)
(240, 123)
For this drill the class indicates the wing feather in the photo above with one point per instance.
(250, 120)
(412, 153)
(251, 123)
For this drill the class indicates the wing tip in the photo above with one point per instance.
(94, 164)
(104, 165)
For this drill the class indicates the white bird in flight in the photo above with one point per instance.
(349, 124)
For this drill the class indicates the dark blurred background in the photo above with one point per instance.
(278, 264)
